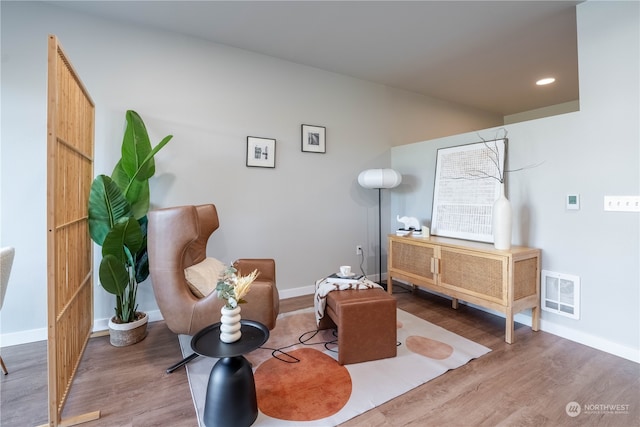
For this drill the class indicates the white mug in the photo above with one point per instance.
(345, 270)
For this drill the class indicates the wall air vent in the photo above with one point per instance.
(561, 294)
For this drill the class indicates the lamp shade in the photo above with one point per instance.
(379, 178)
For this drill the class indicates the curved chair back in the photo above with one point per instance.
(177, 239)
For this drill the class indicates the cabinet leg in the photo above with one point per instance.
(508, 333)
(535, 318)
(389, 284)
(454, 303)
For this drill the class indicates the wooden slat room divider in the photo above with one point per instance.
(70, 141)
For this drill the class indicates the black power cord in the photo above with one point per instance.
(283, 356)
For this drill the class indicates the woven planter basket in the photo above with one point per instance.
(124, 334)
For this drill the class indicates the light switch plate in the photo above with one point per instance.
(622, 203)
(573, 201)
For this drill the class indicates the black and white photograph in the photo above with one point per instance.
(314, 139)
(261, 152)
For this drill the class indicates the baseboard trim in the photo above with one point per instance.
(23, 337)
(40, 334)
(593, 341)
(33, 335)
(297, 292)
(103, 324)
(574, 335)
(311, 289)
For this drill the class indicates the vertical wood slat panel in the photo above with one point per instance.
(70, 126)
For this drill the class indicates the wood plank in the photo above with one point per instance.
(526, 383)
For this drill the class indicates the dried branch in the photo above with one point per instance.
(494, 156)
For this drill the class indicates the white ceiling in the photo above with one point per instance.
(484, 54)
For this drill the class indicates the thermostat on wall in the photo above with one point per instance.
(573, 202)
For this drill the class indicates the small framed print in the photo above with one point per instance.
(314, 139)
(261, 152)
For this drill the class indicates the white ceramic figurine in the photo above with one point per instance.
(410, 223)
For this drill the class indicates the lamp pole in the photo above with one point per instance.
(380, 237)
(379, 179)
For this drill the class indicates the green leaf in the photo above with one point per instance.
(157, 148)
(113, 274)
(142, 266)
(142, 257)
(123, 241)
(137, 165)
(142, 172)
(136, 192)
(135, 149)
(137, 156)
(107, 205)
(138, 196)
(119, 176)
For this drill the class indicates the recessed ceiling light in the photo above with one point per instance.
(545, 81)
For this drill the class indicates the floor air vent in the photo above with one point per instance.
(561, 294)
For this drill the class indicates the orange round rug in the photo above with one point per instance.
(429, 348)
(314, 388)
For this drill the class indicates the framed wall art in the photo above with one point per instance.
(467, 183)
(314, 139)
(261, 152)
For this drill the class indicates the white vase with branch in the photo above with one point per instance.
(232, 289)
(502, 214)
(501, 221)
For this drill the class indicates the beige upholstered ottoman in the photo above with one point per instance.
(366, 324)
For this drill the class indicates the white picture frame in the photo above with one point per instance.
(467, 183)
(314, 139)
(261, 152)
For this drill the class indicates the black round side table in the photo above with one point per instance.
(231, 393)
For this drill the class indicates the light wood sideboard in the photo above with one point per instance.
(505, 281)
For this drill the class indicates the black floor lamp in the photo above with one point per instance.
(379, 179)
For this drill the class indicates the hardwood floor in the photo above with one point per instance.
(527, 383)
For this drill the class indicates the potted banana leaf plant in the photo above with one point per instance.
(118, 207)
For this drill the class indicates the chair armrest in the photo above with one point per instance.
(266, 267)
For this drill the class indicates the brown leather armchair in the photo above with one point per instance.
(176, 239)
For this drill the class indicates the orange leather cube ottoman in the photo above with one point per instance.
(366, 324)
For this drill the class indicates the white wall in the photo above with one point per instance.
(593, 152)
(308, 213)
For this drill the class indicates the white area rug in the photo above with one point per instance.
(374, 383)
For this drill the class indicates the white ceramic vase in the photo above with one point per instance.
(501, 221)
(230, 327)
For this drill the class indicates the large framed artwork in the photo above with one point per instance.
(314, 139)
(467, 183)
(261, 152)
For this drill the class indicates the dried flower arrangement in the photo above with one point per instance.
(233, 288)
